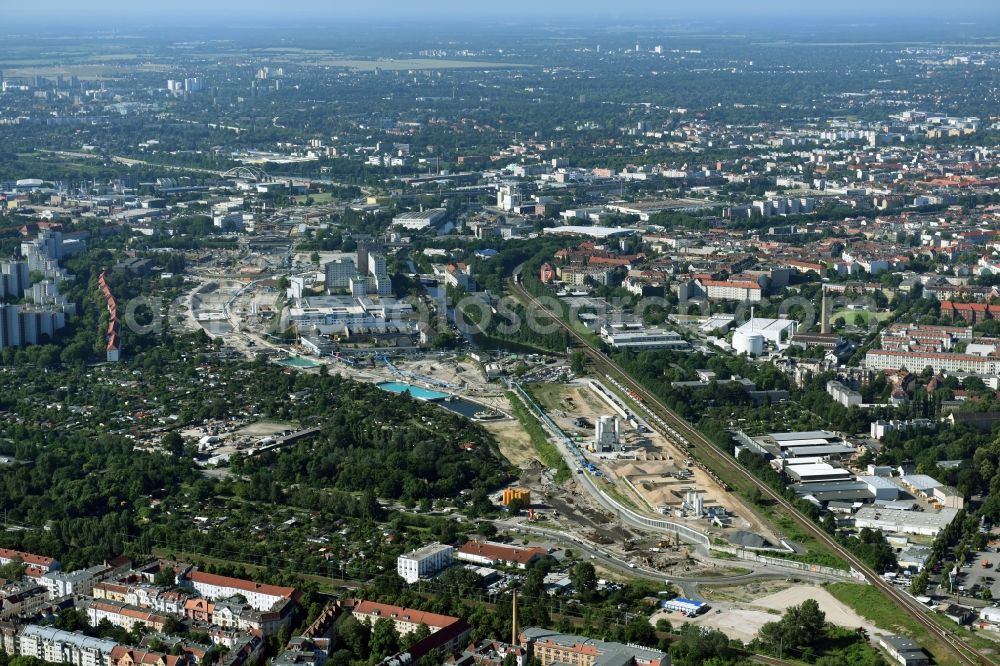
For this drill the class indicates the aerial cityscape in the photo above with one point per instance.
(537, 334)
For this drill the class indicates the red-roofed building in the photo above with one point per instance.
(30, 559)
(123, 615)
(448, 634)
(732, 290)
(260, 596)
(126, 656)
(970, 312)
(406, 619)
(199, 609)
(488, 554)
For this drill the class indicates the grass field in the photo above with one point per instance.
(550, 396)
(873, 605)
(850, 315)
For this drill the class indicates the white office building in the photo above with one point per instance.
(424, 562)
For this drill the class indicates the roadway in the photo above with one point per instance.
(713, 455)
(687, 584)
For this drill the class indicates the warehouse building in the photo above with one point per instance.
(897, 521)
(820, 444)
(652, 338)
(904, 651)
(419, 220)
(882, 488)
(814, 472)
(687, 606)
(822, 494)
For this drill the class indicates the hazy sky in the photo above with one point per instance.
(248, 11)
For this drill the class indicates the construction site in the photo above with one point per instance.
(641, 468)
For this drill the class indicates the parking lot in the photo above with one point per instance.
(974, 577)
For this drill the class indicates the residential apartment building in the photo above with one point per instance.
(405, 619)
(122, 615)
(843, 395)
(64, 647)
(378, 271)
(339, 273)
(64, 583)
(22, 598)
(424, 562)
(126, 656)
(39, 562)
(735, 290)
(14, 279)
(579, 276)
(884, 359)
(970, 312)
(258, 595)
(23, 325)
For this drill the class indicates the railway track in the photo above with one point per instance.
(705, 448)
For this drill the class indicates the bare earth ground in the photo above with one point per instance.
(265, 428)
(836, 611)
(742, 615)
(747, 593)
(656, 458)
(513, 440)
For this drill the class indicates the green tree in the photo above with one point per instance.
(173, 443)
(385, 639)
(584, 579)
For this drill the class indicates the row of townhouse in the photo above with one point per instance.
(76, 649)
(124, 615)
(65, 647)
(143, 594)
(970, 312)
